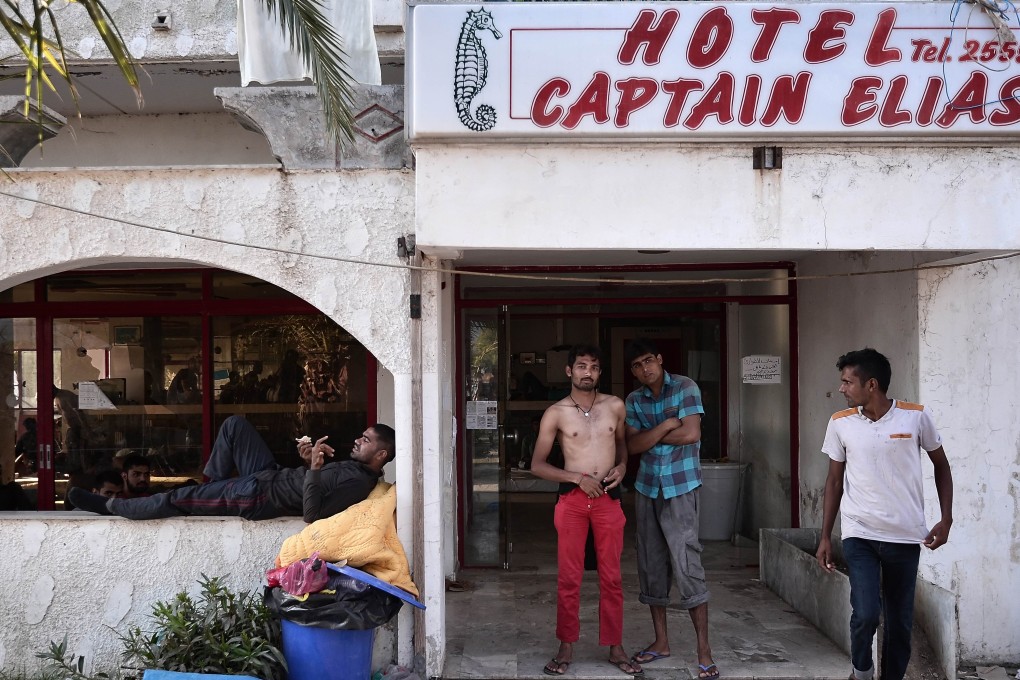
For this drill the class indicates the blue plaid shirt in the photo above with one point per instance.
(673, 470)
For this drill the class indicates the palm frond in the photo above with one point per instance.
(37, 37)
(309, 32)
(114, 41)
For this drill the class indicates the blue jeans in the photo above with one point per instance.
(882, 579)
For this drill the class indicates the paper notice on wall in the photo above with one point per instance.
(480, 415)
(761, 369)
(91, 397)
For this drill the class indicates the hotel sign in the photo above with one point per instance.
(712, 70)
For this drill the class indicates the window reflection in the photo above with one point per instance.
(18, 453)
(138, 384)
(126, 386)
(291, 376)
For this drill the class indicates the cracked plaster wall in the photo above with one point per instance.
(345, 215)
(836, 197)
(951, 336)
(969, 350)
(127, 566)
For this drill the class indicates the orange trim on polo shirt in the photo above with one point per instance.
(908, 406)
(844, 413)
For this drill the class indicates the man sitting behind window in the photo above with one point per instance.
(263, 490)
(136, 472)
(109, 484)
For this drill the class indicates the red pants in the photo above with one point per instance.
(574, 512)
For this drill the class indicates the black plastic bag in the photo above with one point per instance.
(354, 605)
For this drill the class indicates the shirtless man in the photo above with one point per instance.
(591, 428)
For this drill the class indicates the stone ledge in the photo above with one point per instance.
(789, 569)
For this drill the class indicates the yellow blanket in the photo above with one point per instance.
(364, 534)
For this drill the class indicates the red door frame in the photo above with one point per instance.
(790, 299)
(206, 307)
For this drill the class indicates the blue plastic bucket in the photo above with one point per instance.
(324, 654)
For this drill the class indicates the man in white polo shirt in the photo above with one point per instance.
(875, 451)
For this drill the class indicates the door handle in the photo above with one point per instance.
(48, 456)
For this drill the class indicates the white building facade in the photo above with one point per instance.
(870, 147)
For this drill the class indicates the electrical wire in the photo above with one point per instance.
(993, 9)
(510, 275)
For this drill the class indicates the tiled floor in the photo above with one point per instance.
(502, 625)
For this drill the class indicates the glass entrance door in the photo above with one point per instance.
(514, 368)
(484, 530)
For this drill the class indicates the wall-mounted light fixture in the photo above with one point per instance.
(767, 158)
(162, 21)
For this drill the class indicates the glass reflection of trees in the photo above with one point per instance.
(309, 362)
(484, 359)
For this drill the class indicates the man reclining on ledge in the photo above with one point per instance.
(263, 490)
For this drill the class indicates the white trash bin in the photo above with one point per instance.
(720, 494)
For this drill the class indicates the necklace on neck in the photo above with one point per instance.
(581, 408)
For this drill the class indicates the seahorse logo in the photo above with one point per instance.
(472, 69)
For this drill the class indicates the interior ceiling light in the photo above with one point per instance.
(653, 252)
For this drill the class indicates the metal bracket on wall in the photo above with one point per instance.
(405, 246)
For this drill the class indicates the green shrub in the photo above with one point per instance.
(222, 632)
(61, 666)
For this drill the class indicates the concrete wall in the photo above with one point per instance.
(935, 612)
(160, 140)
(687, 197)
(842, 313)
(951, 335)
(969, 349)
(448, 407)
(764, 420)
(92, 579)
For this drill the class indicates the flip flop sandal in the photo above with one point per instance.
(652, 656)
(709, 672)
(556, 667)
(622, 665)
